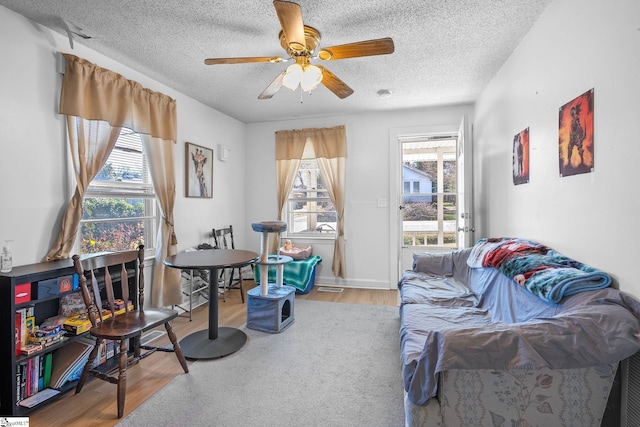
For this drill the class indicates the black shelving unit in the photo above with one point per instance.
(45, 307)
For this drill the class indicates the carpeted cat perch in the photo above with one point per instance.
(270, 305)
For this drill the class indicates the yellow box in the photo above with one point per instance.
(77, 324)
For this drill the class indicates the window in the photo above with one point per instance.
(119, 209)
(411, 187)
(309, 208)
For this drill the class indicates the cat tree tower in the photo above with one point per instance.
(270, 305)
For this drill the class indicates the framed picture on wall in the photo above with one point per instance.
(575, 135)
(521, 157)
(199, 171)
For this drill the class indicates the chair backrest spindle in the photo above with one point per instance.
(96, 298)
(100, 276)
(223, 238)
(140, 296)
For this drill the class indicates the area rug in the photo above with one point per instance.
(336, 365)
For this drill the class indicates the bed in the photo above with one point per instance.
(481, 345)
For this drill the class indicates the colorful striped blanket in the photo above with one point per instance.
(543, 271)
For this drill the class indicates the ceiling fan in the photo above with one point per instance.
(300, 42)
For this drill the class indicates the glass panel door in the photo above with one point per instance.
(429, 199)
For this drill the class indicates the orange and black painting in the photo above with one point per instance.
(521, 157)
(575, 135)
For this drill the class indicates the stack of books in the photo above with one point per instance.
(33, 375)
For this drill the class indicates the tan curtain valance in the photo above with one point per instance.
(290, 143)
(96, 93)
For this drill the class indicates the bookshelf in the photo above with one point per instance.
(40, 278)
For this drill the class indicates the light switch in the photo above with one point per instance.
(382, 202)
(224, 153)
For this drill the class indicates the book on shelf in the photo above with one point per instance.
(24, 313)
(66, 360)
(41, 372)
(18, 332)
(27, 383)
(39, 397)
(27, 378)
(21, 371)
(35, 370)
(48, 358)
(30, 324)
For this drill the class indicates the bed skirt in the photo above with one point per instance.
(543, 397)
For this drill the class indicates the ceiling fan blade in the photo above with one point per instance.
(245, 60)
(353, 50)
(334, 84)
(274, 87)
(290, 16)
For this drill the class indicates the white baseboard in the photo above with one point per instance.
(353, 283)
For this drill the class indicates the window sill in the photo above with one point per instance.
(310, 237)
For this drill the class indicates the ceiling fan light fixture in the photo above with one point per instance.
(311, 78)
(292, 76)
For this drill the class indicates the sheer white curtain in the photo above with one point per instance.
(166, 281)
(329, 147)
(90, 142)
(97, 103)
(333, 172)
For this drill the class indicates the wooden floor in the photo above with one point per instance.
(96, 404)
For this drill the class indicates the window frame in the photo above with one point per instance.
(292, 199)
(142, 189)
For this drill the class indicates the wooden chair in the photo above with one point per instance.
(117, 275)
(223, 238)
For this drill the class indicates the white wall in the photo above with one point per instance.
(33, 148)
(366, 226)
(576, 45)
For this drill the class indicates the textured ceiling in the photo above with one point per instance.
(446, 51)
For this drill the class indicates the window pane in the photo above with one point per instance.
(309, 206)
(110, 236)
(450, 179)
(112, 208)
(119, 208)
(421, 222)
(126, 162)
